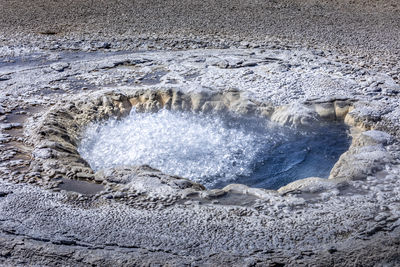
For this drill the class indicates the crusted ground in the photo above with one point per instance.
(312, 222)
(358, 24)
(292, 54)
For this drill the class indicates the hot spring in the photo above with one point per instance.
(215, 150)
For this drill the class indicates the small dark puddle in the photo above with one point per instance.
(81, 187)
(20, 115)
(229, 199)
(236, 200)
(33, 60)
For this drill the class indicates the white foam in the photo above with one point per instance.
(203, 148)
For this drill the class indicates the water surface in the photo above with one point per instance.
(215, 150)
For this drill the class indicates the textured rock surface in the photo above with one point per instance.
(352, 219)
(358, 24)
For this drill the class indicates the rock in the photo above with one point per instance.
(119, 195)
(325, 110)
(59, 66)
(9, 126)
(373, 137)
(104, 45)
(84, 175)
(190, 192)
(183, 183)
(213, 193)
(294, 115)
(149, 180)
(360, 161)
(236, 188)
(309, 185)
(44, 153)
(5, 78)
(3, 193)
(98, 177)
(260, 193)
(341, 109)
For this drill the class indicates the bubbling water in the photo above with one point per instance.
(213, 150)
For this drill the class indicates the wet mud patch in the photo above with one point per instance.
(16, 153)
(229, 199)
(81, 187)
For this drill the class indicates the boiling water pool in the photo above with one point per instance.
(215, 150)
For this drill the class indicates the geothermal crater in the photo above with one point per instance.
(141, 134)
(197, 140)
